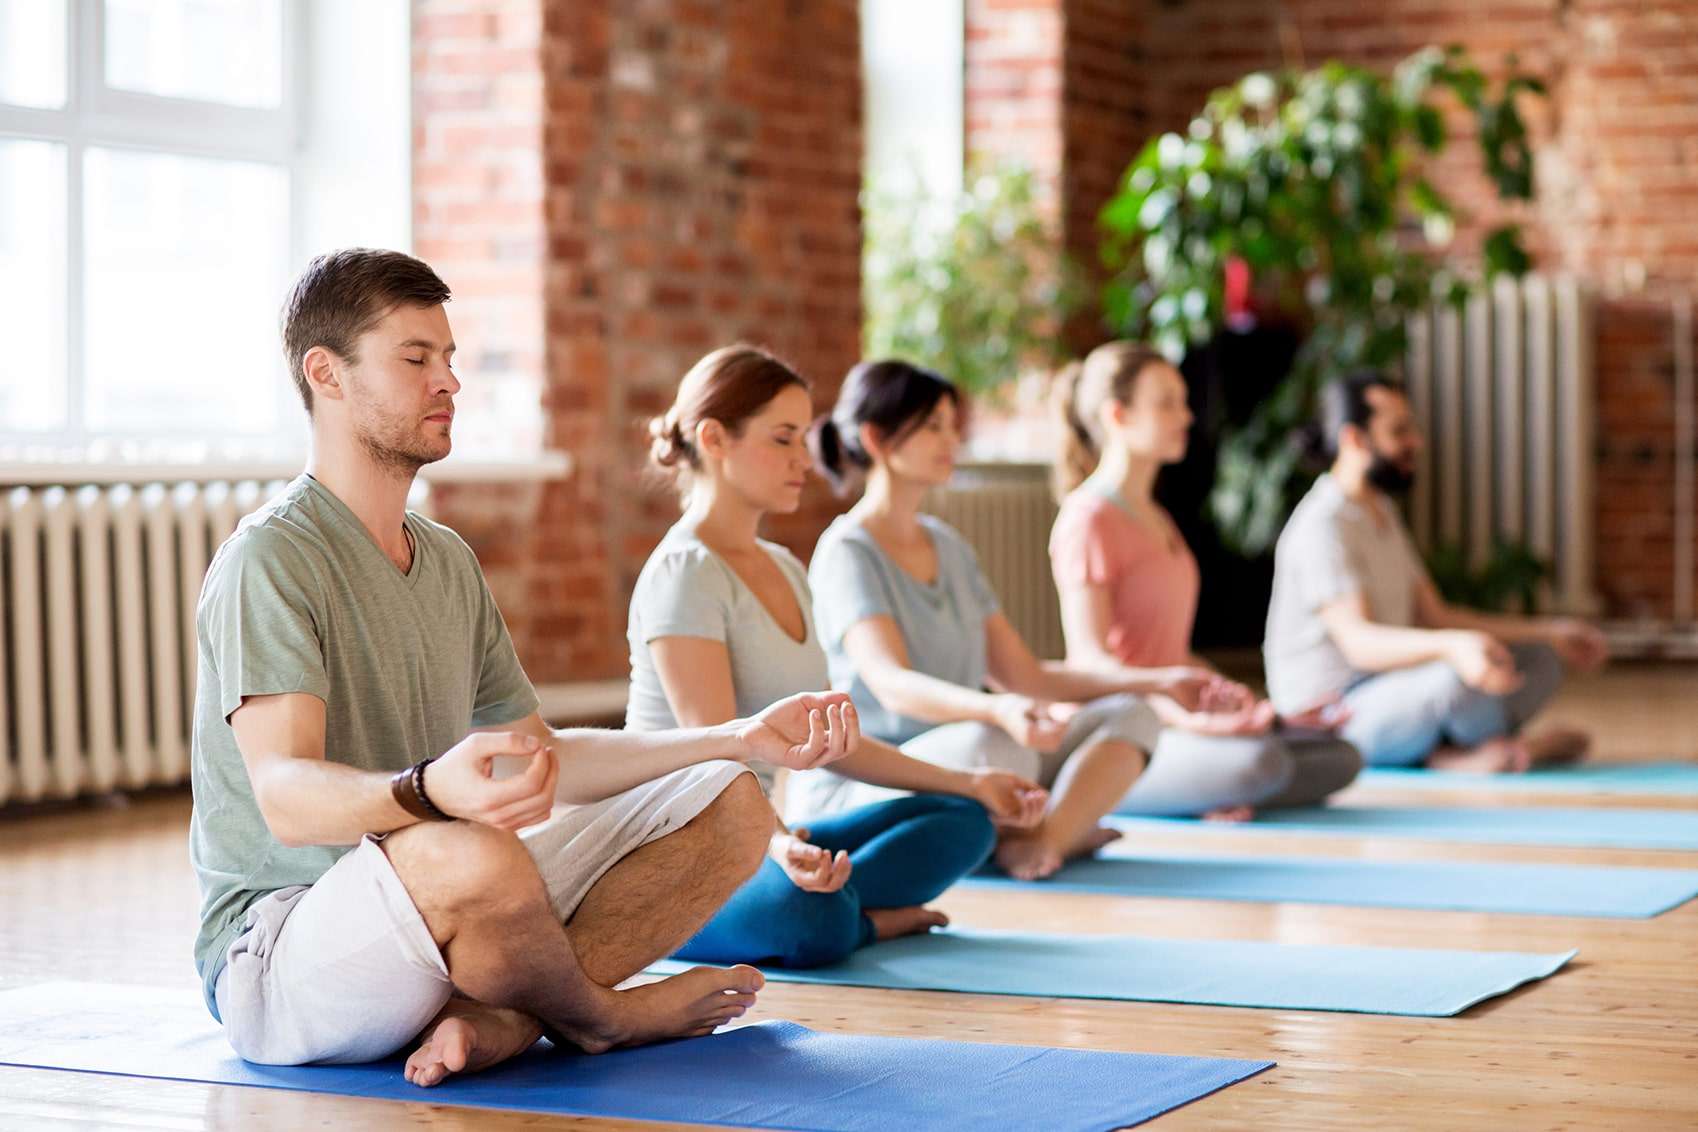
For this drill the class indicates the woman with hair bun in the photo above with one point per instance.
(1129, 586)
(915, 635)
(721, 618)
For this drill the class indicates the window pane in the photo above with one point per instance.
(185, 269)
(228, 51)
(32, 52)
(32, 285)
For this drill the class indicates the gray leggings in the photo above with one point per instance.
(976, 746)
(1193, 774)
(1400, 718)
(1187, 774)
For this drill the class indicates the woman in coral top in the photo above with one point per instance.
(1129, 585)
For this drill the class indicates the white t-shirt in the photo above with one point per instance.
(686, 590)
(1333, 548)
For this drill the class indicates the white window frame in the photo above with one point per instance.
(96, 115)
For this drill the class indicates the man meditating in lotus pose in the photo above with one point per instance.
(1354, 613)
(368, 878)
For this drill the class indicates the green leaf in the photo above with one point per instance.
(1504, 253)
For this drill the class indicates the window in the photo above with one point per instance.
(165, 167)
(912, 66)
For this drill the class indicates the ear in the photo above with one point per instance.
(1352, 438)
(872, 441)
(710, 438)
(322, 369)
(1112, 414)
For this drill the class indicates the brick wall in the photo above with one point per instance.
(696, 167)
(1617, 146)
(1013, 87)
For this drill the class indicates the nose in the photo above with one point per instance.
(448, 382)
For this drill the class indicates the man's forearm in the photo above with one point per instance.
(596, 763)
(318, 802)
(1384, 648)
(1505, 627)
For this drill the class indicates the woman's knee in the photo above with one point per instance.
(1263, 770)
(817, 928)
(963, 833)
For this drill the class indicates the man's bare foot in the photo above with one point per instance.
(889, 923)
(468, 1036)
(1495, 756)
(1557, 745)
(1095, 838)
(691, 1004)
(1231, 814)
(1027, 856)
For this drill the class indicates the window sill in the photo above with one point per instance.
(545, 466)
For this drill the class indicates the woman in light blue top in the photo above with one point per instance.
(721, 618)
(915, 635)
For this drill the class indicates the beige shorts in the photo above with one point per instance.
(347, 971)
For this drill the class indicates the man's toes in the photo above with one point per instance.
(747, 980)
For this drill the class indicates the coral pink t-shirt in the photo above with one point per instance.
(1152, 583)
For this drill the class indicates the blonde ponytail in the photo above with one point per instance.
(1108, 372)
(1078, 454)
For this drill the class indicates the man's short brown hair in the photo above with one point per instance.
(343, 294)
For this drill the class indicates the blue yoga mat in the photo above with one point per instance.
(1475, 886)
(769, 1075)
(1519, 825)
(1587, 778)
(1361, 980)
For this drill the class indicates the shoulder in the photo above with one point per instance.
(1086, 512)
(955, 554)
(682, 563)
(268, 544)
(440, 534)
(446, 542)
(945, 536)
(787, 561)
(845, 545)
(1323, 513)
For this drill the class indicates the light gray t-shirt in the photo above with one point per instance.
(302, 599)
(942, 624)
(1330, 549)
(686, 590)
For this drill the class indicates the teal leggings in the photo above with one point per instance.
(902, 852)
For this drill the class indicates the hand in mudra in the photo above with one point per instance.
(804, 731)
(463, 783)
(809, 867)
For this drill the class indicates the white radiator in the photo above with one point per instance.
(1006, 511)
(1503, 390)
(97, 646)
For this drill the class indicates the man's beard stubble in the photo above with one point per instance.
(1390, 477)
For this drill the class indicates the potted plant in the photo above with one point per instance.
(1304, 195)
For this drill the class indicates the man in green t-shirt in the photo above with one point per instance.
(391, 844)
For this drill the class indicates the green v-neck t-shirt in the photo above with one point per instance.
(302, 599)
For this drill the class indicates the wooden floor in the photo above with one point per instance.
(105, 893)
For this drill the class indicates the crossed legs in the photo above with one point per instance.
(517, 969)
